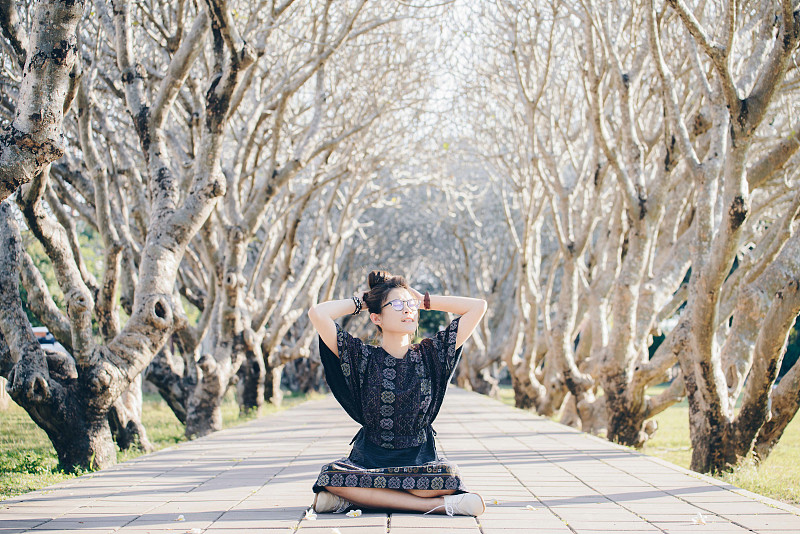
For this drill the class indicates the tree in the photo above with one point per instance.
(738, 97)
(323, 128)
(70, 397)
(625, 205)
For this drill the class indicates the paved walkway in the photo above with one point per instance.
(537, 476)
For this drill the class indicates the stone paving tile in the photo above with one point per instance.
(770, 522)
(680, 518)
(21, 523)
(607, 515)
(726, 508)
(399, 520)
(112, 519)
(257, 478)
(24, 514)
(248, 524)
(539, 523)
(717, 496)
(188, 507)
(717, 528)
(44, 501)
(436, 530)
(352, 529)
(607, 526)
(59, 525)
(370, 521)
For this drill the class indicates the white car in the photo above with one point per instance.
(47, 340)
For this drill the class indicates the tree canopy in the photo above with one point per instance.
(604, 174)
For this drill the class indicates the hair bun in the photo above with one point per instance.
(378, 277)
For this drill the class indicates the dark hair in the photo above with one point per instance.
(380, 284)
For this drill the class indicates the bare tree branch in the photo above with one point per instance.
(13, 30)
(34, 138)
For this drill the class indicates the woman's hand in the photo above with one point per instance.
(471, 312)
(322, 316)
(416, 294)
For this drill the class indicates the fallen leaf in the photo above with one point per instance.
(354, 513)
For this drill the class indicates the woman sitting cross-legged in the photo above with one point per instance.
(394, 391)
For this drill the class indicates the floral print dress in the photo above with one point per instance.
(395, 400)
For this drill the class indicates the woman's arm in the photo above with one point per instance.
(471, 312)
(322, 316)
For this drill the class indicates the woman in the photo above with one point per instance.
(394, 391)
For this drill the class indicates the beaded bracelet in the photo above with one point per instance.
(357, 302)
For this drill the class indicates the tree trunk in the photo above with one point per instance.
(80, 433)
(484, 383)
(785, 402)
(203, 409)
(47, 384)
(561, 340)
(251, 383)
(768, 349)
(524, 396)
(86, 442)
(593, 414)
(125, 419)
(4, 398)
(569, 412)
(625, 412)
(234, 341)
(272, 385)
(306, 374)
(554, 387)
(172, 382)
(475, 379)
(528, 391)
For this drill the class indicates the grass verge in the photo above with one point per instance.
(778, 477)
(28, 461)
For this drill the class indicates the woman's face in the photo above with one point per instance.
(391, 320)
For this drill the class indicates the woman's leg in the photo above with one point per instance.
(430, 493)
(390, 499)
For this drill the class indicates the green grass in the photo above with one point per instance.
(507, 395)
(671, 440)
(28, 461)
(777, 477)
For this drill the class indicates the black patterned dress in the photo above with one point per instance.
(395, 400)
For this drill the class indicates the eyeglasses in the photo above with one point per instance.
(397, 304)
